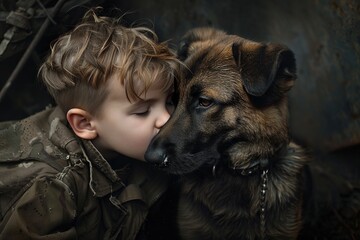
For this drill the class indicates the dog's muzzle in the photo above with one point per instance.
(157, 156)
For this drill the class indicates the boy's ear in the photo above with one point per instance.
(81, 123)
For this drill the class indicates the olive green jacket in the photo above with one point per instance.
(55, 186)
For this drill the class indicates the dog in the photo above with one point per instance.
(229, 141)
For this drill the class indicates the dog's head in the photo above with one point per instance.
(232, 105)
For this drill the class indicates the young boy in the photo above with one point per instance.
(76, 171)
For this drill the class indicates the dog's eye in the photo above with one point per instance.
(205, 102)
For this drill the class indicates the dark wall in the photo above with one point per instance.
(325, 36)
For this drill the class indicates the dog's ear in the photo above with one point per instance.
(261, 65)
(196, 35)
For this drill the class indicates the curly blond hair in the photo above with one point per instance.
(83, 60)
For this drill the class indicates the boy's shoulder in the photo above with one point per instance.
(30, 149)
(41, 136)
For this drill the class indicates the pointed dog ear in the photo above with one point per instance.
(261, 65)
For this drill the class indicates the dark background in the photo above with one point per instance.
(324, 104)
(324, 34)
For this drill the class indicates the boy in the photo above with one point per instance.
(76, 171)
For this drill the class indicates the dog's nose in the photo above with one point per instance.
(156, 155)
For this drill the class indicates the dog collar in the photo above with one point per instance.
(260, 164)
(257, 165)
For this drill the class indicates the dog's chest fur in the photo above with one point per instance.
(228, 205)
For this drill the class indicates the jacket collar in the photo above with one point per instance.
(103, 179)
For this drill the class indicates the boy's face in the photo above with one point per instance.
(128, 127)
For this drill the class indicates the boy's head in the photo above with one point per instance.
(82, 61)
(102, 75)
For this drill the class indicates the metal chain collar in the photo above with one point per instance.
(264, 181)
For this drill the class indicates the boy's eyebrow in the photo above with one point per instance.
(141, 102)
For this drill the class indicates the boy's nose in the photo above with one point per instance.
(162, 119)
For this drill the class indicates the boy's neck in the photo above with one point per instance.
(115, 159)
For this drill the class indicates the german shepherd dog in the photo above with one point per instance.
(228, 140)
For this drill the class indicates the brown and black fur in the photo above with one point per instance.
(230, 125)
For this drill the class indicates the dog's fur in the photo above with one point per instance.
(229, 129)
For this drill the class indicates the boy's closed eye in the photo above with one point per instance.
(143, 114)
(142, 111)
